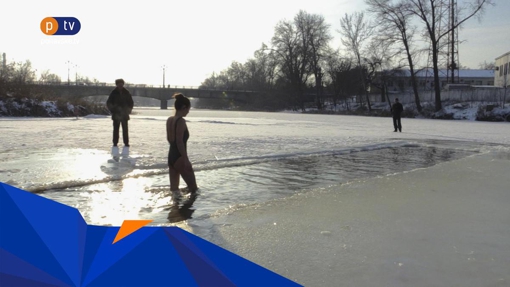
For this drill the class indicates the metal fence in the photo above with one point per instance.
(493, 95)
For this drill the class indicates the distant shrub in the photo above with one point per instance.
(40, 107)
(489, 113)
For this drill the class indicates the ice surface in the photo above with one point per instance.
(42, 154)
(403, 219)
(442, 226)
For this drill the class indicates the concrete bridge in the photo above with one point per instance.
(161, 93)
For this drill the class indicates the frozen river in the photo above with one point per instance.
(241, 158)
(320, 199)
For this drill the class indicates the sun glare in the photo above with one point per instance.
(111, 204)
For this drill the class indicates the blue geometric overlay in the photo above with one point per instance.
(46, 243)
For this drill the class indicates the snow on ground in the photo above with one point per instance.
(3, 108)
(463, 112)
(50, 107)
(26, 107)
(70, 107)
(457, 111)
(93, 116)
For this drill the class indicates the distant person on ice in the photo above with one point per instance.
(120, 103)
(397, 110)
(177, 135)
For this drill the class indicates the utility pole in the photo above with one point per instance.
(68, 68)
(164, 67)
(454, 49)
(76, 75)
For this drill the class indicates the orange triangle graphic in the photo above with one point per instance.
(128, 227)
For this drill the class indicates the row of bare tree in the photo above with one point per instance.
(17, 72)
(299, 62)
(14, 75)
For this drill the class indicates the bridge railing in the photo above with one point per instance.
(102, 84)
(129, 85)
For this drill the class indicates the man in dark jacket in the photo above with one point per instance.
(120, 103)
(397, 110)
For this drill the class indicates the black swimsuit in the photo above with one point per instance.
(174, 154)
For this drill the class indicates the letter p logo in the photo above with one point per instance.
(60, 26)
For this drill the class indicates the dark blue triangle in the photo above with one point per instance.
(81, 244)
(204, 271)
(58, 225)
(95, 236)
(181, 236)
(239, 270)
(108, 253)
(11, 281)
(154, 262)
(13, 266)
(15, 229)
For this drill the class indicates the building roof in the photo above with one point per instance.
(505, 54)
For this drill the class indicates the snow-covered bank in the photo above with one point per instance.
(473, 111)
(30, 107)
(440, 226)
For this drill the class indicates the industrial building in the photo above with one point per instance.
(501, 75)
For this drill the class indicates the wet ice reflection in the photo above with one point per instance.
(225, 189)
(111, 204)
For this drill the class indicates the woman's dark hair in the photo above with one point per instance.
(180, 101)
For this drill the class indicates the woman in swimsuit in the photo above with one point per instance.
(177, 135)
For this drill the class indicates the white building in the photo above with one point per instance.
(401, 81)
(501, 75)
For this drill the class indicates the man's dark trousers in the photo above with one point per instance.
(125, 134)
(396, 123)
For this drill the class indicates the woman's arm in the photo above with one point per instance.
(179, 138)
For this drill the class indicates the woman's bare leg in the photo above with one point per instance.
(189, 177)
(187, 174)
(174, 179)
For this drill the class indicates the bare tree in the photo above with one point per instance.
(267, 59)
(14, 78)
(487, 65)
(379, 64)
(237, 76)
(263, 69)
(48, 77)
(394, 27)
(356, 31)
(314, 35)
(430, 12)
(291, 54)
(210, 82)
(343, 80)
(255, 74)
(7, 73)
(23, 73)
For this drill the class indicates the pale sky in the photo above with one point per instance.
(133, 40)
